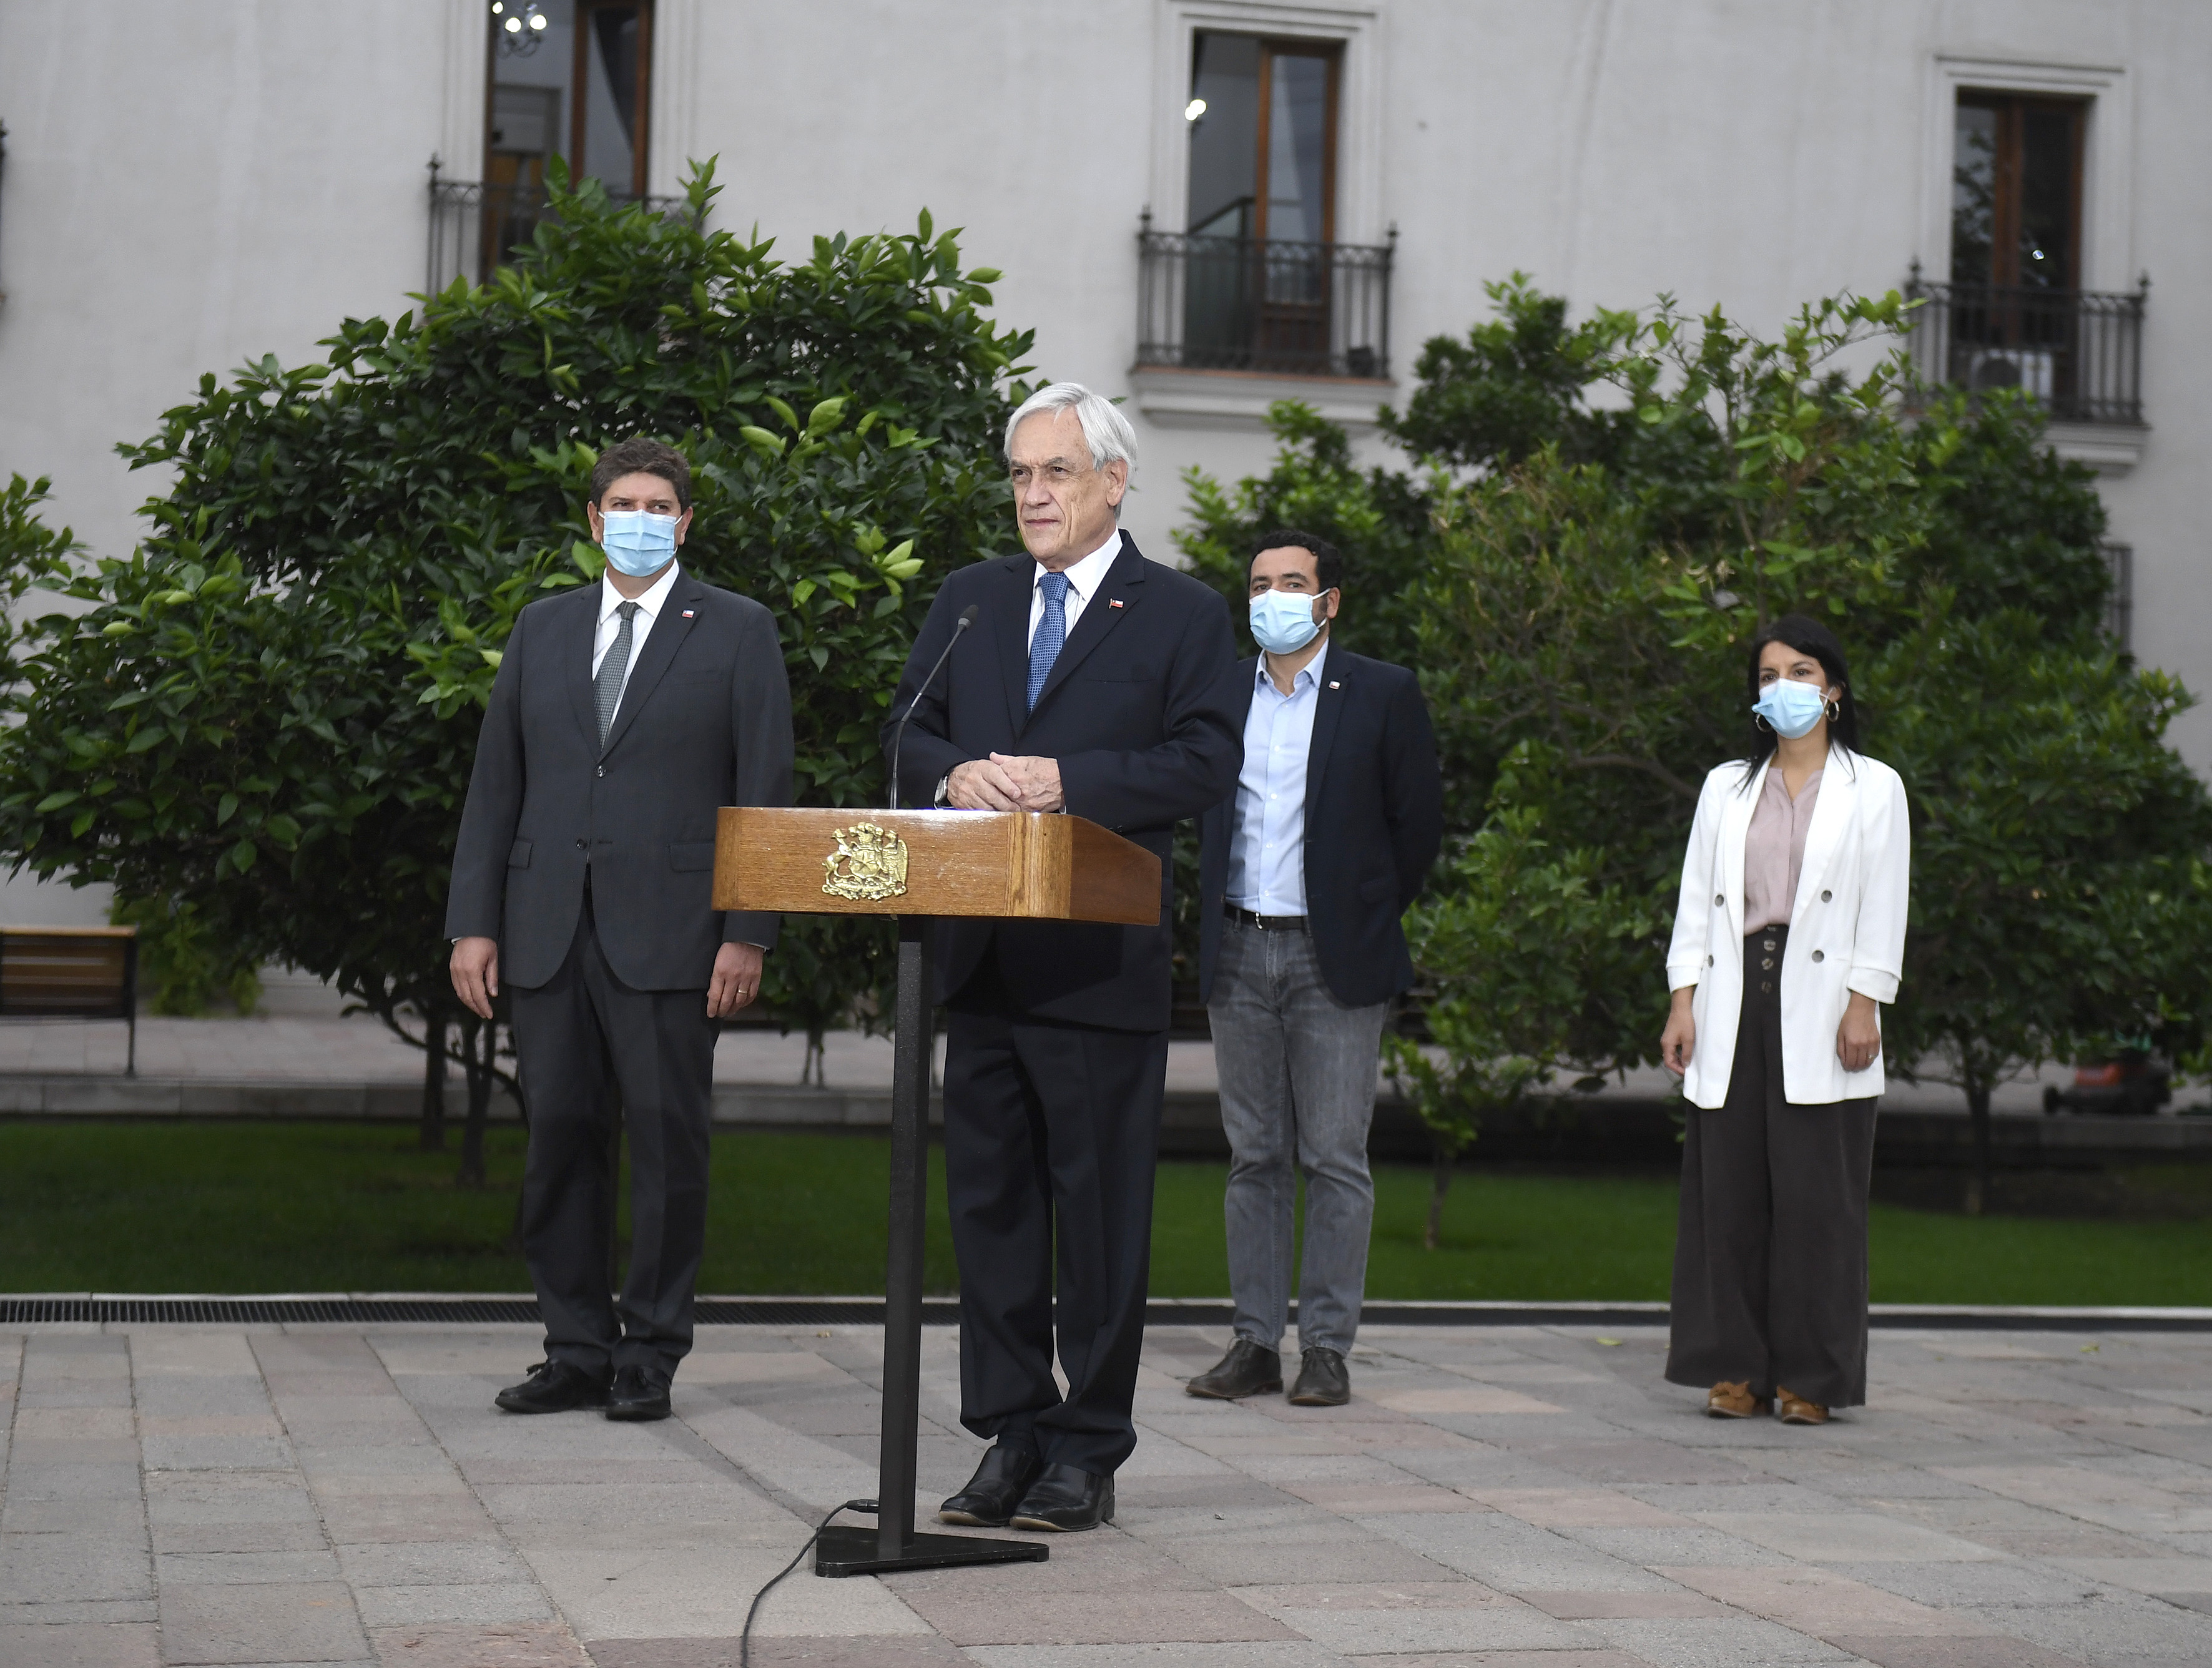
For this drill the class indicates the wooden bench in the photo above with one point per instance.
(71, 972)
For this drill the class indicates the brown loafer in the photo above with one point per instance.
(1796, 1411)
(1734, 1401)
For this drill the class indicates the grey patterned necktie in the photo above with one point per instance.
(607, 688)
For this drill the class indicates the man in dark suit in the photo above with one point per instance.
(1303, 873)
(623, 715)
(1095, 682)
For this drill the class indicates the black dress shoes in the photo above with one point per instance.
(637, 1394)
(996, 1489)
(1246, 1370)
(553, 1386)
(1064, 1498)
(1323, 1381)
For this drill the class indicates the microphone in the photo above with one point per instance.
(968, 615)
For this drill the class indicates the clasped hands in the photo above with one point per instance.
(1003, 782)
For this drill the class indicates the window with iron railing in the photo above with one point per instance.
(2014, 313)
(567, 78)
(1257, 280)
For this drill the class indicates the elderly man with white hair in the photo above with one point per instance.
(1098, 683)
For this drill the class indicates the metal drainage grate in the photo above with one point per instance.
(869, 1311)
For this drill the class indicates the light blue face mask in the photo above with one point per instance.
(638, 542)
(1793, 708)
(1283, 621)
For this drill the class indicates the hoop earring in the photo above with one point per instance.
(1759, 719)
(1835, 711)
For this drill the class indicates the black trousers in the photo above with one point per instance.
(1770, 1253)
(592, 1051)
(1051, 1133)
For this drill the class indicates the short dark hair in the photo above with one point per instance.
(639, 455)
(1328, 565)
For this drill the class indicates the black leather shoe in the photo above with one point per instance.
(637, 1394)
(1246, 1370)
(1066, 1498)
(553, 1386)
(996, 1489)
(1323, 1381)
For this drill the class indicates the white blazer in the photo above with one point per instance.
(1846, 926)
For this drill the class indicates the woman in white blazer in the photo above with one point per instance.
(1789, 935)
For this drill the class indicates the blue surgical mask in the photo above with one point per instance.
(1283, 621)
(638, 542)
(1793, 708)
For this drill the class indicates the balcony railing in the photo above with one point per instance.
(2078, 352)
(473, 223)
(1209, 303)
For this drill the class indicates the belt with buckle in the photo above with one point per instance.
(1265, 923)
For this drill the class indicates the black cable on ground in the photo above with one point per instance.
(745, 1639)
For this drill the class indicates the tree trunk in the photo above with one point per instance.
(434, 1080)
(1977, 1107)
(479, 1052)
(1441, 1183)
(812, 1071)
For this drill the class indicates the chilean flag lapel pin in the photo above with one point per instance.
(1334, 684)
(1112, 602)
(687, 613)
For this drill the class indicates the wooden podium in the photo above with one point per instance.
(917, 865)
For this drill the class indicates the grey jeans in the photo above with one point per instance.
(1297, 1092)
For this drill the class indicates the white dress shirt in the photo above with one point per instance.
(648, 609)
(1083, 579)
(1267, 830)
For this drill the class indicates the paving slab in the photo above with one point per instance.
(1493, 1494)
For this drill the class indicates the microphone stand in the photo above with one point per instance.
(898, 737)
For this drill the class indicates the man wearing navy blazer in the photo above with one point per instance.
(1305, 871)
(1097, 683)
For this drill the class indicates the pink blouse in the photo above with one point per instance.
(1774, 850)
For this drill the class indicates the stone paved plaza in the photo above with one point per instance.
(1528, 1496)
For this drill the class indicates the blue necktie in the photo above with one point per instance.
(1051, 633)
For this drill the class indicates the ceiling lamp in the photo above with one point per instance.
(520, 29)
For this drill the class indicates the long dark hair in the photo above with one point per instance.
(1806, 636)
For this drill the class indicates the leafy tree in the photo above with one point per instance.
(1506, 1011)
(2061, 899)
(268, 710)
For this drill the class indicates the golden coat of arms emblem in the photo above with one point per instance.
(869, 864)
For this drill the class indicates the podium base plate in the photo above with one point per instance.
(851, 1550)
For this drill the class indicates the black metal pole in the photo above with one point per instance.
(910, 1063)
(842, 1549)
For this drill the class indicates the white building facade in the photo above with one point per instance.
(188, 184)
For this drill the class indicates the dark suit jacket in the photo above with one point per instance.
(1374, 821)
(705, 721)
(1138, 712)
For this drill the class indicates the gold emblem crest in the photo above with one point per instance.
(869, 863)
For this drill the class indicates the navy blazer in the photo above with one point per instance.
(1374, 821)
(1140, 711)
(705, 721)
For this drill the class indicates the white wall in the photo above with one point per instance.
(189, 182)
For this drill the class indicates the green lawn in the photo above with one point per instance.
(261, 1207)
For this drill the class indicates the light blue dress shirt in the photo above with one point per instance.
(1268, 834)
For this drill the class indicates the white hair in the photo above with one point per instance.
(1105, 430)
